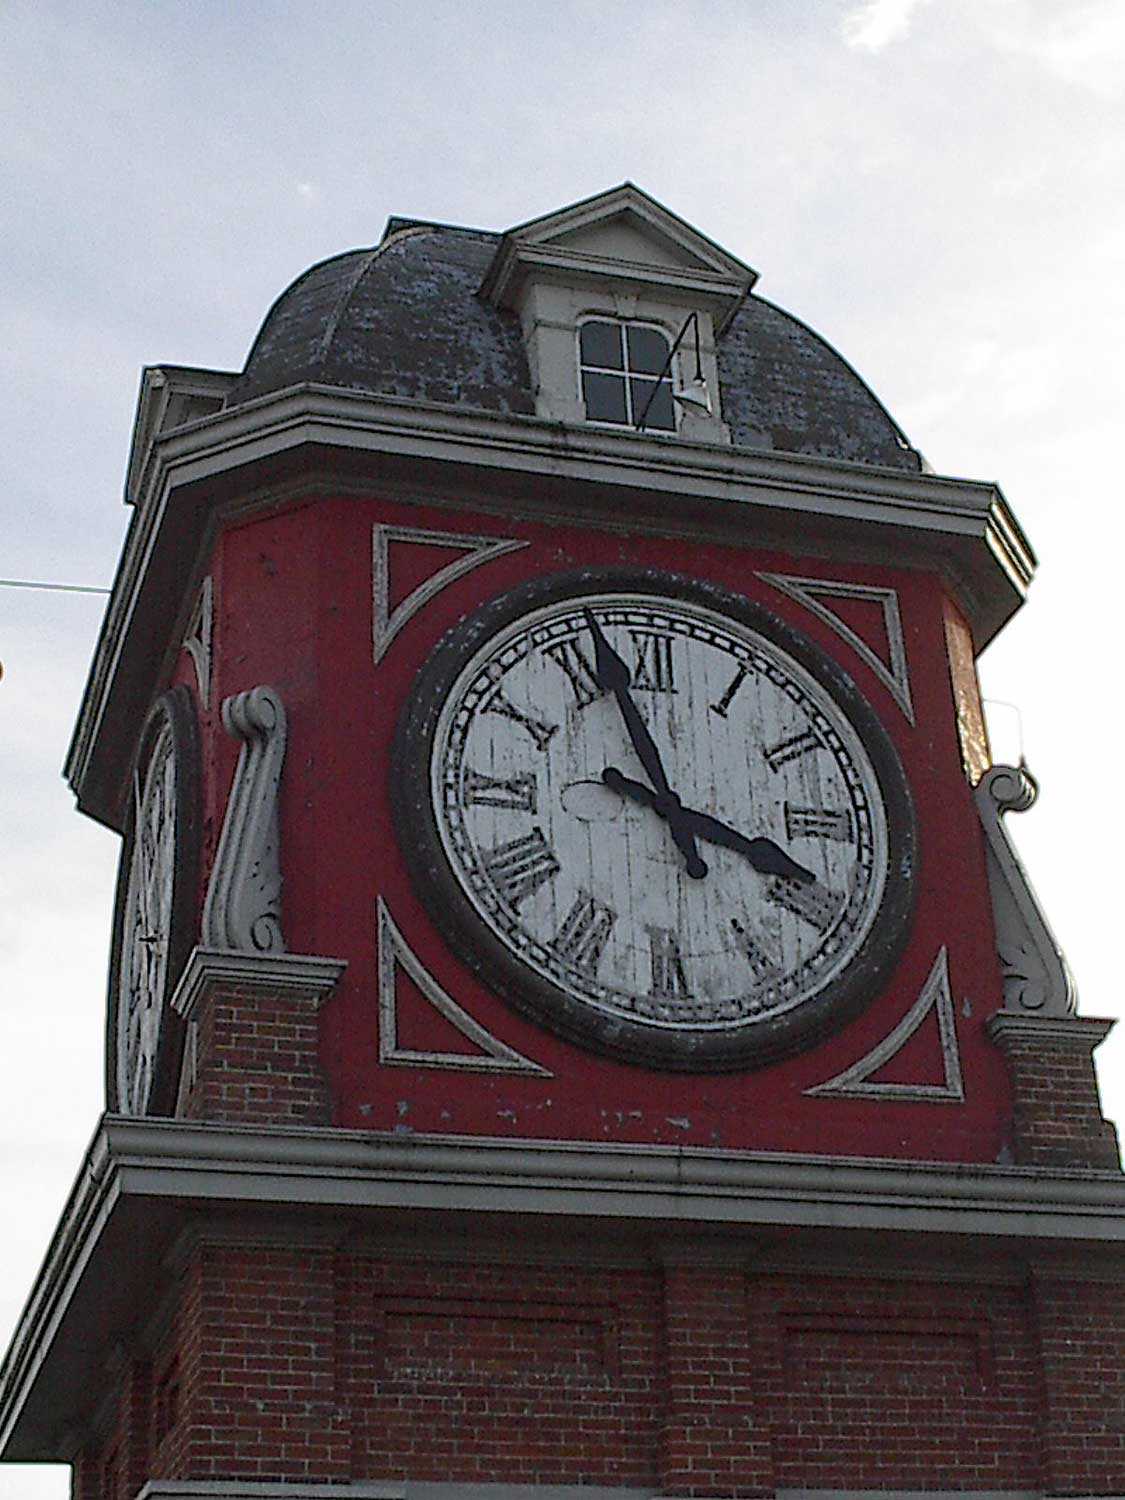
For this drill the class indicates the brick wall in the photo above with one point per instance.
(1081, 1331)
(252, 1057)
(324, 1361)
(1056, 1112)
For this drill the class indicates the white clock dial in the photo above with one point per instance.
(155, 909)
(147, 926)
(706, 874)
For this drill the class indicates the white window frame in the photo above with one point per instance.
(624, 373)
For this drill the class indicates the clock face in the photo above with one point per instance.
(143, 973)
(664, 825)
(154, 911)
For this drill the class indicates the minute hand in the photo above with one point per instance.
(766, 856)
(613, 676)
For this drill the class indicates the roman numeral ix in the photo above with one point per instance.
(517, 792)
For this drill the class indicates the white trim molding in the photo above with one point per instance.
(396, 953)
(935, 998)
(243, 905)
(811, 592)
(488, 462)
(387, 622)
(208, 969)
(197, 641)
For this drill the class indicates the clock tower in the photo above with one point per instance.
(577, 1024)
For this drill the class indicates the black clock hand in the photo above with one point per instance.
(767, 857)
(613, 676)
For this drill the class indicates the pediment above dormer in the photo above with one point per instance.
(625, 238)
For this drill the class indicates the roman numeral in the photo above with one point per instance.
(668, 978)
(791, 749)
(808, 899)
(727, 699)
(519, 867)
(652, 667)
(539, 731)
(762, 965)
(585, 931)
(817, 823)
(576, 664)
(517, 792)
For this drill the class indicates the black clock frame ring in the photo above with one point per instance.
(744, 1046)
(175, 709)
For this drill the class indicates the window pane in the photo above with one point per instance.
(600, 344)
(661, 414)
(648, 350)
(605, 398)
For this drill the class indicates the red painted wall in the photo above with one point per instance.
(293, 610)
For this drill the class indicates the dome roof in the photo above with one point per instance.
(405, 319)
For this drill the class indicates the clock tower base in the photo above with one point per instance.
(361, 1314)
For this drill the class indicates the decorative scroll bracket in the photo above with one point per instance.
(243, 906)
(1037, 980)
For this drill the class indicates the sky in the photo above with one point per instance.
(936, 186)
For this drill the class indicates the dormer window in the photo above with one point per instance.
(621, 367)
(600, 289)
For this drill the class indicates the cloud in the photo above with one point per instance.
(1083, 42)
(874, 24)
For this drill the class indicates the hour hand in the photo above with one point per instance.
(766, 857)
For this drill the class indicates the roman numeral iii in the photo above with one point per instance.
(817, 823)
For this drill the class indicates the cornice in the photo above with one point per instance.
(964, 528)
(141, 1178)
(269, 973)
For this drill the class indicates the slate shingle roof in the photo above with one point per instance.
(404, 319)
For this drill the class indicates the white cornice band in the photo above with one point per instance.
(737, 484)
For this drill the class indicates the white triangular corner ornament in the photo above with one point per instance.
(387, 622)
(811, 592)
(855, 1082)
(396, 953)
